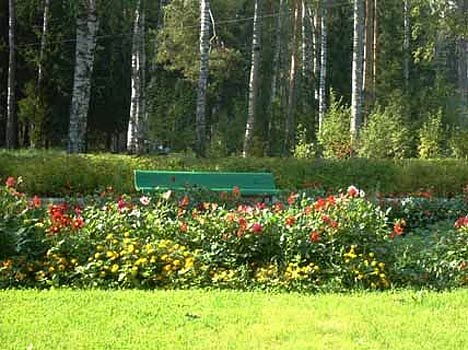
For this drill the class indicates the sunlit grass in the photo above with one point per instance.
(232, 320)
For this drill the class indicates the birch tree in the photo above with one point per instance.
(253, 82)
(290, 122)
(203, 76)
(357, 68)
(11, 127)
(86, 32)
(136, 123)
(323, 63)
(368, 74)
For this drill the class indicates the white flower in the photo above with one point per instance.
(145, 200)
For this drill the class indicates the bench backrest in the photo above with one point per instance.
(248, 183)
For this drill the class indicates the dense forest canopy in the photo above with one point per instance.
(334, 78)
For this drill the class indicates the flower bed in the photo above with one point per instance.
(339, 242)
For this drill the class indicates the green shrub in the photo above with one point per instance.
(56, 174)
(334, 136)
(303, 149)
(458, 144)
(430, 137)
(384, 136)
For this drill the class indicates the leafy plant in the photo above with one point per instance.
(334, 136)
(384, 136)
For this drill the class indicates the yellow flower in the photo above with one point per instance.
(114, 268)
(131, 248)
(109, 236)
(371, 254)
(99, 248)
(381, 265)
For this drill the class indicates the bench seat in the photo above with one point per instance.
(249, 184)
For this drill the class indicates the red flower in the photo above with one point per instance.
(57, 216)
(78, 223)
(278, 207)
(320, 204)
(333, 224)
(10, 181)
(307, 210)
(292, 198)
(260, 205)
(184, 227)
(290, 221)
(236, 191)
(398, 229)
(331, 200)
(242, 224)
(315, 236)
(184, 201)
(121, 204)
(257, 228)
(36, 202)
(353, 191)
(326, 219)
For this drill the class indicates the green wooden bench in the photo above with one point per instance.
(249, 184)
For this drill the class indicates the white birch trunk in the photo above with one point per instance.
(316, 49)
(253, 82)
(305, 43)
(290, 122)
(357, 69)
(322, 96)
(45, 28)
(135, 129)
(203, 77)
(86, 32)
(368, 71)
(11, 126)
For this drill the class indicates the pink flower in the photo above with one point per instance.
(121, 204)
(353, 191)
(145, 200)
(292, 198)
(461, 222)
(257, 228)
(10, 181)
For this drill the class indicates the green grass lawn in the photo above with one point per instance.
(232, 320)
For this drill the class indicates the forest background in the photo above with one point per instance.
(307, 78)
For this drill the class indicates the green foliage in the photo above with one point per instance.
(303, 149)
(458, 144)
(384, 136)
(56, 174)
(430, 137)
(334, 137)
